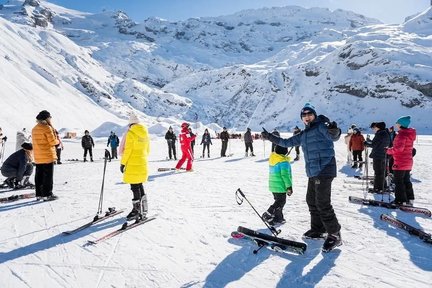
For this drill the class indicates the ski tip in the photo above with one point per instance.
(90, 243)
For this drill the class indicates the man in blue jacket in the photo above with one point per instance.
(316, 141)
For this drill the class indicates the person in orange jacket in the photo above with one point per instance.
(44, 151)
(356, 145)
(186, 139)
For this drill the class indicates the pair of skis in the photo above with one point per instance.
(426, 237)
(410, 209)
(14, 198)
(265, 240)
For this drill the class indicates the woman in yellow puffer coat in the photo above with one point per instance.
(44, 141)
(134, 165)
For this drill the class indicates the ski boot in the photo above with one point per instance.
(315, 235)
(332, 241)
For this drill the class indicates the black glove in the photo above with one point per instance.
(265, 134)
(289, 191)
(331, 125)
(122, 168)
(5, 139)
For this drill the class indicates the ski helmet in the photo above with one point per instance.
(184, 125)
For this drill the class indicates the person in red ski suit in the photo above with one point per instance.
(185, 139)
(402, 152)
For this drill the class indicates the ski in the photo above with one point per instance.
(426, 237)
(168, 169)
(7, 189)
(411, 209)
(265, 240)
(110, 213)
(125, 227)
(364, 177)
(17, 197)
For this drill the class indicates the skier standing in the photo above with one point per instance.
(356, 145)
(206, 140)
(402, 152)
(248, 142)
(316, 141)
(87, 144)
(185, 143)
(378, 144)
(134, 165)
(171, 138)
(193, 141)
(224, 136)
(59, 147)
(18, 167)
(44, 141)
(280, 184)
(114, 142)
(347, 139)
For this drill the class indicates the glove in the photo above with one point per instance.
(331, 125)
(289, 191)
(265, 134)
(4, 138)
(122, 167)
(107, 145)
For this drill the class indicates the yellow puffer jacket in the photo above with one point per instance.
(44, 141)
(136, 150)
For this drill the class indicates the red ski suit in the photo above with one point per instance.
(402, 149)
(185, 145)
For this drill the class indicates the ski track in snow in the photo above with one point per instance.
(189, 243)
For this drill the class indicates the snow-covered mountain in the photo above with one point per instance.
(253, 68)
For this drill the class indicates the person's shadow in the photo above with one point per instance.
(242, 261)
(56, 240)
(418, 250)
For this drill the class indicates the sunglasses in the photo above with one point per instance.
(307, 114)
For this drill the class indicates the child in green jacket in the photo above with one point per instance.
(280, 184)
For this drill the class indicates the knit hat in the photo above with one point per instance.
(380, 125)
(133, 119)
(308, 108)
(281, 150)
(404, 121)
(27, 146)
(43, 115)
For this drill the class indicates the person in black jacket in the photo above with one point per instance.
(378, 154)
(206, 140)
(248, 142)
(87, 144)
(171, 138)
(224, 136)
(18, 167)
(193, 141)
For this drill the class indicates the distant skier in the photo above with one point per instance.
(347, 139)
(316, 141)
(193, 141)
(356, 145)
(206, 140)
(3, 140)
(185, 143)
(378, 144)
(87, 144)
(44, 141)
(171, 139)
(59, 147)
(402, 152)
(134, 165)
(224, 136)
(18, 167)
(280, 184)
(114, 142)
(248, 142)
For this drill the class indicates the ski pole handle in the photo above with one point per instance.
(239, 200)
(241, 192)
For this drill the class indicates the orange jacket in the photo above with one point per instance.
(44, 141)
(356, 142)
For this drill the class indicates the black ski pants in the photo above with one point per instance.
(171, 149)
(403, 186)
(276, 208)
(318, 199)
(249, 146)
(89, 151)
(379, 170)
(224, 148)
(113, 152)
(358, 157)
(44, 179)
(206, 145)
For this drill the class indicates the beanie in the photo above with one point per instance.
(404, 121)
(308, 108)
(27, 146)
(133, 119)
(43, 115)
(380, 125)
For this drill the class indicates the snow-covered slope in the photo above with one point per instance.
(189, 244)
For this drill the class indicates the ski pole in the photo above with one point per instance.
(239, 200)
(107, 156)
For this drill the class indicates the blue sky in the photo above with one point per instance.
(388, 11)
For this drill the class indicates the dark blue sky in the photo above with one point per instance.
(388, 11)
